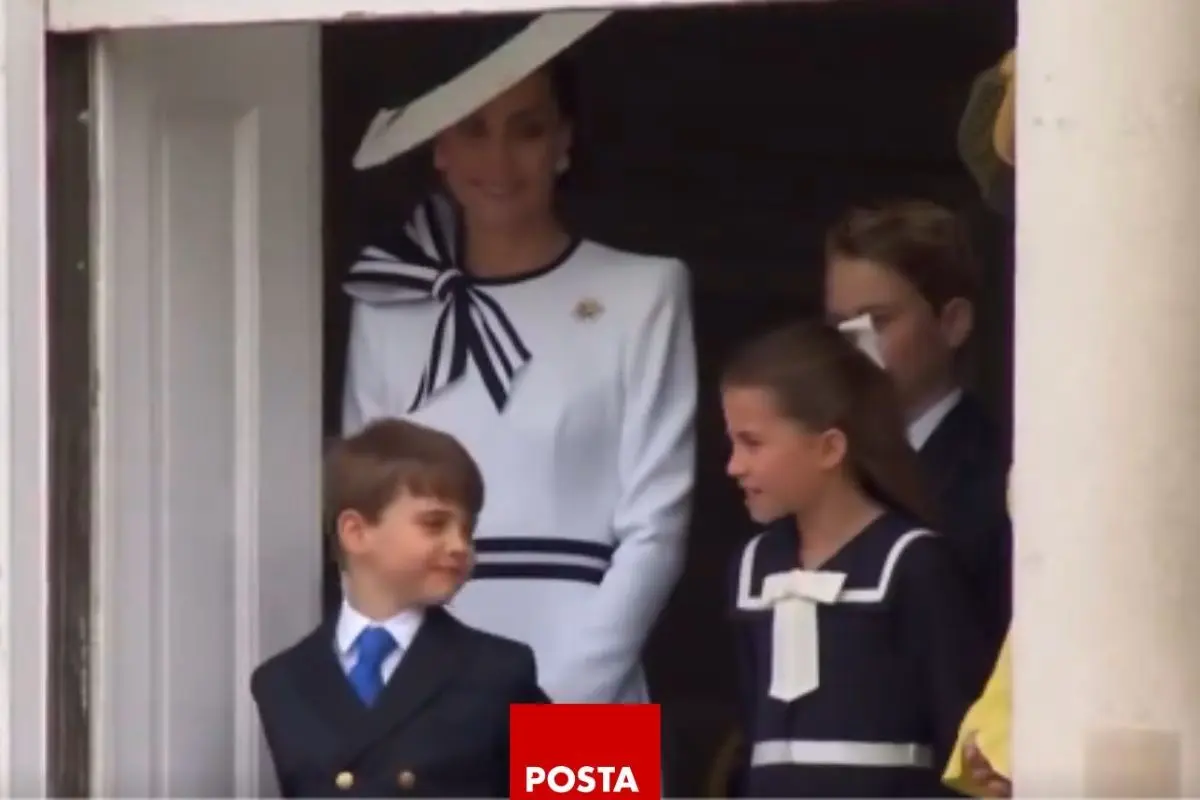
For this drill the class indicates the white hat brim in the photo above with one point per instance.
(394, 132)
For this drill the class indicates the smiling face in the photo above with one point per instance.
(502, 162)
(420, 545)
(778, 463)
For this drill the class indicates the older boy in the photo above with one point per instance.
(395, 697)
(909, 266)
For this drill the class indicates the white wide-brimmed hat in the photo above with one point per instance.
(395, 131)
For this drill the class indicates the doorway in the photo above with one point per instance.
(227, 213)
(729, 138)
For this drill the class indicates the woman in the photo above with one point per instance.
(566, 368)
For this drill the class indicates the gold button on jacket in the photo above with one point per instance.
(344, 781)
(406, 779)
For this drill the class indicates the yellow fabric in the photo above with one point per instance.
(1008, 64)
(990, 719)
(977, 139)
(721, 773)
(1004, 135)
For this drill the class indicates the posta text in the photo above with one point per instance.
(564, 780)
(594, 751)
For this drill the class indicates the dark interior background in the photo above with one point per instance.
(729, 137)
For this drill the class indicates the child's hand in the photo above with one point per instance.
(981, 773)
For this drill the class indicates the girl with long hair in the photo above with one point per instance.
(860, 648)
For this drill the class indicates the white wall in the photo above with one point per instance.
(76, 15)
(23, 381)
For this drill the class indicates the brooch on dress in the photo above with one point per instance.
(588, 309)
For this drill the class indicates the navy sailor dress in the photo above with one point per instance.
(856, 676)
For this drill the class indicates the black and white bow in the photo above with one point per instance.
(422, 265)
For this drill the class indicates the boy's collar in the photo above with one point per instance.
(921, 428)
(351, 623)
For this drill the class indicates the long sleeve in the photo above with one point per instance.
(656, 459)
(525, 691)
(943, 635)
(364, 396)
(990, 720)
(979, 531)
(265, 702)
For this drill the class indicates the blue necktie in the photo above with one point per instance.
(374, 646)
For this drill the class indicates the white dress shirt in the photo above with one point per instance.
(921, 428)
(403, 628)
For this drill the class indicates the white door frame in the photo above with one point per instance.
(83, 15)
(24, 483)
(208, 317)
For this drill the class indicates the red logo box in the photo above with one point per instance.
(593, 751)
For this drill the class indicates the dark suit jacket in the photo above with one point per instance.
(439, 729)
(966, 465)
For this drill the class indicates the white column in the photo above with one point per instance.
(1107, 478)
(23, 442)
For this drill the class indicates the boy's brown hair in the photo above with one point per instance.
(366, 472)
(925, 243)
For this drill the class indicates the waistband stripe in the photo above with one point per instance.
(527, 545)
(840, 754)
(576, 573)
(542, 558)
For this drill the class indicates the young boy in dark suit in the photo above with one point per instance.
(394, 697)
(909, 266)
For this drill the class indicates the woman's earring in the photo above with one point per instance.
(564, 163)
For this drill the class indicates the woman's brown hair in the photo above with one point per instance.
(821, 380)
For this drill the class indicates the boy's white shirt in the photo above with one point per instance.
(921, 428)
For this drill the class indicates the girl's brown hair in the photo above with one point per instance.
(821, 380)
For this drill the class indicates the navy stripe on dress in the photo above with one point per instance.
(541, 559)
(421, 265)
